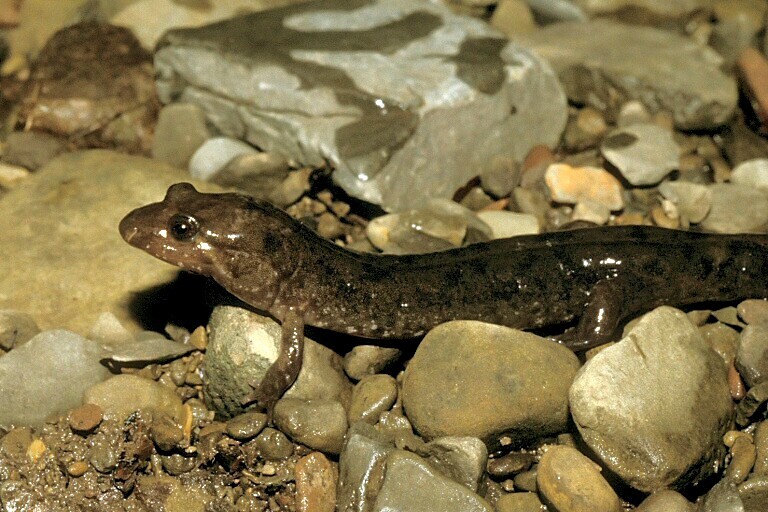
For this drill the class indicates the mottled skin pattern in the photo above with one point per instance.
(599, 276)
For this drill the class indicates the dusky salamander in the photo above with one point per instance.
(600, 276)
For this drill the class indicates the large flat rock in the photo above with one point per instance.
(399, 95)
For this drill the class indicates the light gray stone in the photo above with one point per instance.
(16, 328)
(665, 71)
(180, 130)
(736, 209)
(122, 395)
(214, 154)
(692, 200)
(452, 385)
(399, 95)
(361, 462)
(643, 153)
(654, 406)
(752, 173)
(319, 424)
(47, 375)
(752, 354)
(461, 458)
(505, 224)
(665, 501)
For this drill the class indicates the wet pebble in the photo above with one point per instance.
(692, 200)
(365, 360)
(736, 209)
(753, 311)
(242, 346)
(180, 130)
(752, 354)
(572, 185)
(319, 424)
(371, 396)
(433, 492)
(361, 464)
(147, 394)
(214, 154)
(505, 224)
(519, 502)
(257, 174)
(632, 112)
(742, 459)
(31, 150)
(452, 387)
(246, 426)
(752, 173)
(16, 328)
(167, 433)
(660, 383)
(315, 484)
(85, 419)
(570, 482)
(754, 494)
(462, 458)
(590, 211)
(586, 130)
(643, 153)
(273, 444)
(665, 500)
(510, 464)
(761, 449)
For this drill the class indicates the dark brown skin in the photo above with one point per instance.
(600, 276)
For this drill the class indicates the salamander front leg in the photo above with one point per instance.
(600, 320)
(283, 372)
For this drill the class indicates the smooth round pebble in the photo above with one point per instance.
(258, 174)
(743, 456)
(753, 311)
(570, 482)
(505, 224)
(16, 328)
(371, 396)
(273, 444)
(316, 481)
(214, 154)
(85, 418)
(692, 200)
(571, 185)
(111, 396)
(365, 360)
(519, 502)
(665, 500)
(319, 424)
(643, 153)
(752, 173)
(167, 433)
(246, 426)
(510, 464)
(752, 354)
(77, 468)
(180, 130)
(736, 209)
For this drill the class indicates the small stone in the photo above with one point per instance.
(761, 449)
(662, 218)
(273, 444)
(15, 443)
(214, 154)
(36, 450)
(633, 112)
(510, 464)
(752, 173)
(257, 174)
(570, 482)
(361, 464)
(31, 150)
(752, 355)
(753, 311)
(736, 209)
(319, 424)
(12, 175)
(643, 153)
(329, 226)
(519, 502)
(371, 396)
(77, 468)
(590, 211)
(246, 426)
(586, 130)
(365, 360)
(16, 328)
(315, 484)
(505, 224)
(692, 200)
(180, 130)
(85, 419)
(110, 395)
(513, 17)
(177, 464)
(742, 460)
(571, 185)
(462, 458)
(292, 187)
(501, 178)
(199, 338)
(665, 500)
(167, 433)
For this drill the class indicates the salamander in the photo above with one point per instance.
(598, 276)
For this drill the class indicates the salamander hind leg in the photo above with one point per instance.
(599, 322)
(283, 372)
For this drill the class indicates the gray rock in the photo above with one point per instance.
(180, 130)
(505, 224)
(452, 385)
(371, 396)
(643, 153)
(361, 462)
(257, 174)
(441, 224)
(433, 492)
(273, 444)
(752, 173)
(144, 394)
(155, 349)
(66, 263)
(463, 459)
(654, 406)
(603, 63)
(519, 502)
(16, 328)
(754, 494)
(31, 150)
(319, 424)
(566, 477)
(47, 375)
(752, 355)
(692, 200)
(736, 209)
(722, 497)
(214, 154)
(665, 500)
(365, 360)
(398, 95)
(753, 311)
(241, 347)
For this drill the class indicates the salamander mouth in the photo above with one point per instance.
(127, 229)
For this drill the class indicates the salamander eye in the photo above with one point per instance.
(183, 227)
